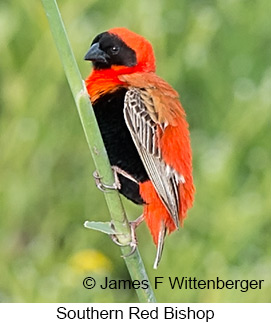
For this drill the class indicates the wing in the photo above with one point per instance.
(141, 119)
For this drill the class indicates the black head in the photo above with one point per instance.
(108, 49)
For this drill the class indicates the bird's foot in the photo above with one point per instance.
(105, 187)
(116, 185)
(118, 171)
(133, 243)
(133, 225)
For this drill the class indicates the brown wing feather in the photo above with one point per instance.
(142, 120)
(165, 100)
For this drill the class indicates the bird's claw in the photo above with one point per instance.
(102, 186)
(133, 242)
(133, 249)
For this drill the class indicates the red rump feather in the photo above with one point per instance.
(154, 211)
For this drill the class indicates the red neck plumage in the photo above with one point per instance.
(105, 81)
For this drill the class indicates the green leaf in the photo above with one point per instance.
(105, 227)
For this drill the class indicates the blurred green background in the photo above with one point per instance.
(217, 55)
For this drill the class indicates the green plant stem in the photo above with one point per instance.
(121, 225)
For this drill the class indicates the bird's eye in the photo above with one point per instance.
(114, 50)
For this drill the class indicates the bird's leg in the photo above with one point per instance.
(122, 172)
(133, 225)
(104, 187)
(133, 243)
(115, 238)
(116, 185)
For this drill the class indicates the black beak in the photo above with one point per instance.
(95, 54)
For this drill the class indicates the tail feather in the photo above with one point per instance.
(160, 245)
(157, 217)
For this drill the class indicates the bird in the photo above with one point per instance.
(144, 129)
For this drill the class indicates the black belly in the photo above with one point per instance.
(119, 144)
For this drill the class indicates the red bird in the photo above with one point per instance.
(144, 129)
